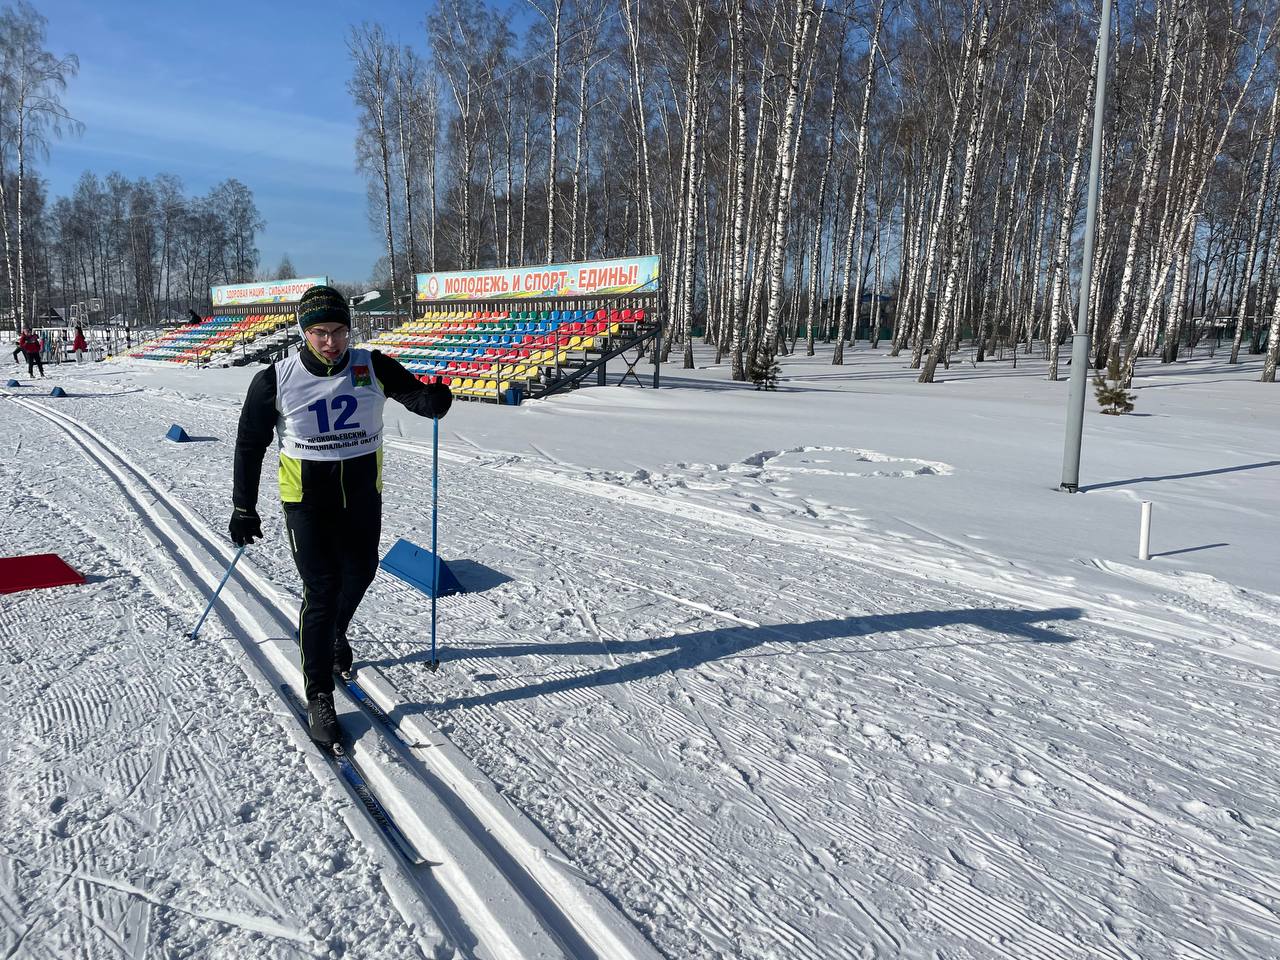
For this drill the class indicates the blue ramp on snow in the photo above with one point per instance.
(413, 565)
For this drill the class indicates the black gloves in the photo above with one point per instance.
(441, 399)
(432, 401)
(245, 526)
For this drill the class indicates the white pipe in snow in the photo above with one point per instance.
(1144, 532)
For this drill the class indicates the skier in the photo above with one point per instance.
(78, 344)
(31, 346)
(325, 402)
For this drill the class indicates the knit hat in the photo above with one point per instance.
(323, 304)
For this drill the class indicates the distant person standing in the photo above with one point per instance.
(78, 344)
(30, 345)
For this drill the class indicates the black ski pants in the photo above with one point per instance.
(33, 361)
(336, 552)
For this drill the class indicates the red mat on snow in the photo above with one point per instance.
(36, 571)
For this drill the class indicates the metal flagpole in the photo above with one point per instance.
(1080, 342)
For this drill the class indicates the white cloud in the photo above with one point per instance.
(230, 127)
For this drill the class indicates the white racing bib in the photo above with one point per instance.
(329, 418)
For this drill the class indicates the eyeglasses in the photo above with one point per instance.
(342, 333)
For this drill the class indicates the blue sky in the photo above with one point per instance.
(255, 91)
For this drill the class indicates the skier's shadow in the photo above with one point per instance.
(691, 649)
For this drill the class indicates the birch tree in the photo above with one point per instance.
(374, 61)
(745, 162)
(552, 13)
(856, 207)
(781, 192)
(1264, 180)
(32, 81)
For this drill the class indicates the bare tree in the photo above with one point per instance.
(242, 221)
(726, 139)
(960, 236)
(285, 270)
(31, 83)
(374, 60)
(408, 99)
(781, 191)
(1264, 180)
(858, 201)
(552, 11)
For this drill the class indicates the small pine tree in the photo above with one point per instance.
(1112, 397)
(763, 370)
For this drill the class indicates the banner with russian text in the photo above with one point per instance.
(264, 291)
(595, 278)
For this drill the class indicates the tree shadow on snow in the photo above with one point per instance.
(688, 650)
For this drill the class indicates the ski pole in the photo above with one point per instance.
(225, 577)
(435, 555)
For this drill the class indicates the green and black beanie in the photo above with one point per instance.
(323, 304)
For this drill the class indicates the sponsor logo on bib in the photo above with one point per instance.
(360, 376)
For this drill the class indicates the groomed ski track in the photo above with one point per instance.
(769, 723)
(487, 877)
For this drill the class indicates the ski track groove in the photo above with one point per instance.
(711, 610)
(865, 548)
(1012, 742)
(74, 714)
(590, 622)
(181, 517)
(1064, 944)
(639, 850)
(767, 804)
(100, 454)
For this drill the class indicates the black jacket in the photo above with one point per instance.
(329, 483)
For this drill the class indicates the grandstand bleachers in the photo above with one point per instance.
(203, 342)
(482, 354)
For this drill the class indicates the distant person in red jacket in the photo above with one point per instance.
(29, 343)
(78, 344)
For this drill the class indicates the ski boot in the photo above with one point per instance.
(323, 721)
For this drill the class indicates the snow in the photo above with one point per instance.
(829, 672)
